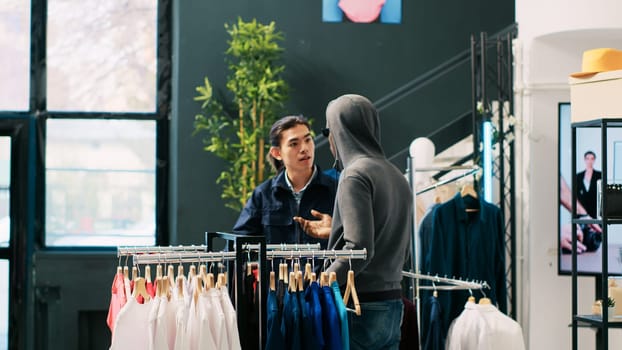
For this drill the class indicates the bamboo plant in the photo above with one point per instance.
(238, 134)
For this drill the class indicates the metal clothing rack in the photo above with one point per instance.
(453, 284)
(415, 243)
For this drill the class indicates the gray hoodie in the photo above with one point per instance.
(373, 208)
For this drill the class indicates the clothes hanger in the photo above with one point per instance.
(134, 273)
(471, 298)
(180, 286)
(469, 191)
(292, 282)
(484, 300)
(148, 274)
(140, 289)
(299, 281)
(332, 277)
(351, 290)
(435, 292)
(272, 278)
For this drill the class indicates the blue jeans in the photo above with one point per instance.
(378, 327)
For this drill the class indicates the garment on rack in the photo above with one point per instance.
(434, 338)
(290, 325)
(330, 319)
(132, 320)
(343, 316)
(117, 299)
(409, 329)
(484, 327)
(274, 335)
(470, 245)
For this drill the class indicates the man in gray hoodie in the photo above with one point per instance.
(373, 211)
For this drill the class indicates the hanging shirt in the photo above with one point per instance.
(330, 319)
(131, 327)
(435, 339)
(274, 336)
(181, 319)
(290, 326)
(484, 327)
(312, 297)
(231, 321)
(153, 322)
(307, 339)
(409, 329)
(343, 316)
(470, 245)
(117, 299)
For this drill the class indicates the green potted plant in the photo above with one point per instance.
(238, 134)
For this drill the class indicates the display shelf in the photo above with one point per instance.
(597, 321)
(602, 334)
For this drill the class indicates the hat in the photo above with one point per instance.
(599, 60)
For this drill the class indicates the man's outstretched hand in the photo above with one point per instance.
(316, 228)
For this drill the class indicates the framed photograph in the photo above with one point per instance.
(588, 172)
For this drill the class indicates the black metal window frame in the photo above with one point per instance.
(38, 108)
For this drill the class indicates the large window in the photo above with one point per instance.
(14, 54)
(100, 182)
(101, 55)
(100, 173)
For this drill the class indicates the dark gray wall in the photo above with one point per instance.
(323, 60)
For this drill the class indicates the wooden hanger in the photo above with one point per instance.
(126, 272)
(323, 279)
(180, 286)
(299, 281)
(332, 277)
(308, 271)
(158, 271)
(180, 270)
(272, 281)
(140, 289)
(158, 283)
(134, 273)
(292, 282)
(148, 274)
(484, 301)
(469, 190)
(119, 270)
(351, 290)
(171, 272)
(192, 272)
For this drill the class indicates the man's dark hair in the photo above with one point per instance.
(588, 153)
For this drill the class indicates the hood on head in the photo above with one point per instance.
(355, 128)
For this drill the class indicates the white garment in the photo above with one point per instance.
(153, 320)
(193, 325)
(231, 322)
(484, 327)
(131, 325)
(181, 318)
(166, 328)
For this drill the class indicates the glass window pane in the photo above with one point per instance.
(4, 304)
(5, 182)
(100, 182)
(101, 55)
(15, 54)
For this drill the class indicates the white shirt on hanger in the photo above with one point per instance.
(231, 320)
(484, 327)
(131, 326)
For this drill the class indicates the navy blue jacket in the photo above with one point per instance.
(272, 206)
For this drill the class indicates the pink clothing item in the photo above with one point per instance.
(117, 300)
(362, 11)
(150, 289)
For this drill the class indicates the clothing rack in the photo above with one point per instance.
(447, 181)
(415, 243)
(454, 284)
(135, 250)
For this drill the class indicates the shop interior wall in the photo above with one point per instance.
(323, 60)
(552, 37)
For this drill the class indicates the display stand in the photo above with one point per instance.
(602, 322)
